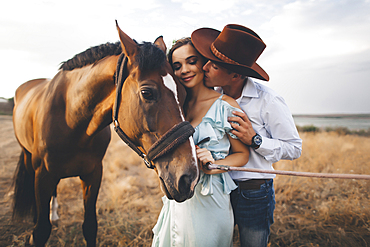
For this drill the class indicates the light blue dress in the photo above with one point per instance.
(207, 218)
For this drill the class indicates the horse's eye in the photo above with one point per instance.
(147, 94)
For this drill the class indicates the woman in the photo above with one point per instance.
(207, 218)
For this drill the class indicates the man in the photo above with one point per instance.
(267, 127)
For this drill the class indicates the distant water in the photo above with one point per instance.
(350, 122)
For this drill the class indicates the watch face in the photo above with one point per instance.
(257, 140)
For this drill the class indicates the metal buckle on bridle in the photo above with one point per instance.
(116, 124)
(147, 162)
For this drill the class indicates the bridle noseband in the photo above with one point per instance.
(177, 135)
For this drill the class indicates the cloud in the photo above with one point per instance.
(141, 5)
(19, 71)
(319, 29)
(315, 48)
(207, 6)
(318, 55)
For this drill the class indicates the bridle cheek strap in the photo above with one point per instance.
(119, 80)
(177, 135)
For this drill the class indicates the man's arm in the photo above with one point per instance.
(283, 141)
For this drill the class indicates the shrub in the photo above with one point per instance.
(308, 128)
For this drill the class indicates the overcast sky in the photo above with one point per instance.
(317, 55)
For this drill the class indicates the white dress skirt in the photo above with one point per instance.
(206, 219)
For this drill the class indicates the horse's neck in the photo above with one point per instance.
(90, 96)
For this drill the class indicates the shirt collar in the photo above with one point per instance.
(250, 89)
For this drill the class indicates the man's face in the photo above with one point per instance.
(215, 75)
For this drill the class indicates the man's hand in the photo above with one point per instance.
(244, 131)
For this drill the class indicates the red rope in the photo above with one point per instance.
(211, 166)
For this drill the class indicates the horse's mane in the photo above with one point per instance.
(150, 56)
(92, 55)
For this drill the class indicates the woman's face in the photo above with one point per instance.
(187, 65)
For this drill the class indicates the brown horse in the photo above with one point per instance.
(62, 125)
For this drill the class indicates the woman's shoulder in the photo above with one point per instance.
(213, 93)
(231, 101)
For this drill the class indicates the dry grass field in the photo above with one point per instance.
(309, 211)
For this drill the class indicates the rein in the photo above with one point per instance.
(177, 135)
(211, 166)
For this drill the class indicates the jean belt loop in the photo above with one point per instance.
(238, 187)
(267, 185)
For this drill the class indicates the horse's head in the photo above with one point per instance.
(151, 105)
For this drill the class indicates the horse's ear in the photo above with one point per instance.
(160, 43)
(129, 47)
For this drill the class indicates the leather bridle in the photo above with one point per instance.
(177, 135)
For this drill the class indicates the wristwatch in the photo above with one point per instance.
(256, 141)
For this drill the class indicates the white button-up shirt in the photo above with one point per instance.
(272, 119)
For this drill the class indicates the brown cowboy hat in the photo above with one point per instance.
(236, 48)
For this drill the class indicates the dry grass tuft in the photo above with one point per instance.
(324, 212)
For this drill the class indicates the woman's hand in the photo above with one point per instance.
(204, 156)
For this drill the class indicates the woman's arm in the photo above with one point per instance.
(239, 156)
(239, 152)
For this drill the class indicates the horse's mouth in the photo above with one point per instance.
(165, 190)
(175, 195)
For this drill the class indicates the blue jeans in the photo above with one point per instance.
(254, 214)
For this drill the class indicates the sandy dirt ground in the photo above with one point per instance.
(9, 154)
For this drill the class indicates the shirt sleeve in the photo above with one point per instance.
(282, 140)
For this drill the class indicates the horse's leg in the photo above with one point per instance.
(90, 186)
(44, 187)
(54, 207)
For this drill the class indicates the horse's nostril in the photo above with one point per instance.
(185, 184)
